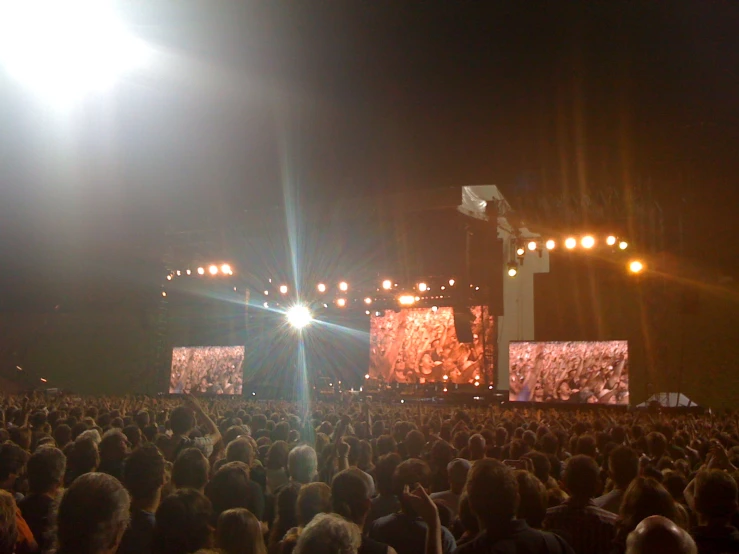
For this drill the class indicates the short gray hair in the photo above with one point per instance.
(92, 514)
(329, 534)
(302, 464)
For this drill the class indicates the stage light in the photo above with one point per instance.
(341, 302)
(368, 301)
(343, 286)
(532, 245)
(406, 300)
(570, 243)
(43, 380)
(422, 287)
(402, 401)
(477, 377)
(366, 312)
(164, 294)
(451, 282)
(179, 273)
(266, 304)
(587, 242)
(490, 387)
(321, 287)
(434, 309)
(446, 377)
(623, 245)
(201, 271)
(366, 375)
(283, 289)
(635, 266)
(226, 269)
(169, 277)
(378, 314)
(213, 270)
(520, 251)
(477, 383)
(188, 272)
(512, 270)
(64, 50)
(444, 389)
(387, 284)
(611, 240)
(550, 244)
(299, 316)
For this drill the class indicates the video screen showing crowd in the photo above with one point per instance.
(420, 345)
(206, 370)
(570, 372)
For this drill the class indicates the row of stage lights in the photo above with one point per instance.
(212, 270)
(570, 243)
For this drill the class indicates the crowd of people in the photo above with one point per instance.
(176, 476)
(420, 345)
(207, 370)
(572, 372)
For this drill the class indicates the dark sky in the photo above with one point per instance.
(357, 98)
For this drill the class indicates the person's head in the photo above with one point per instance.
(656, 445)
(542, 465)
(62, 435)
(313, 498)
(350, 496)
(240, 450)
(181, 420)
(493, 492)
(93, 515)
(286, 509)
(232, 488)
(8, 525)
(83, 457)
(45, 470)
(586, 445)
(143, 473)
(476, 444)
(302, 464)
(239, 532)
(12, 461)
(659, 535)
(113, 446)
(329, 534)
(414, 443)
(457, 471)
(533, 499)
(410, 473)
(715, 496)
(277, 455)
(646, 497)
(182, 523)
(582, 477)
(384, 471)
(190, 470)
(386, 445)
(623, 466)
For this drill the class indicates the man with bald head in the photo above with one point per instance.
(659, 535)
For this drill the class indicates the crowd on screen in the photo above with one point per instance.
(421, 346)
(175, 476)
(570, 372)
(207, 370)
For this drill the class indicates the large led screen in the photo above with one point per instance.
(206, 370)
(582, 372)
(420, 345)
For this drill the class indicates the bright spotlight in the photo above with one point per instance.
(343, 286)
(299, 317)
(387, 284)
(201, 271)
(341, 302)
(226, 269)
(587, 241)
(321, 287)
(164, 294)
(179, 273)
(570, 243)
(611, 240)
(366, 375)
(423, 287)
(169, 277)
(623, 245)
(451, 282)
(434, 309)
(635, 266)
(531, 245)
(512, 270)
(283, 289)
(188, 272)
(213, 270)
(63, 50)
(407, 300)
(550, 244)
(520, 251)
(368, 301)
(446, 377)
(477, 383)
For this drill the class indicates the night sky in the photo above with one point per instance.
(363, 98)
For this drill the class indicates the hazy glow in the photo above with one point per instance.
(341, 302)
(423, 287)
(368, 301)
(550, 244)
(343, 286)
(65, 49)
(532, 245)
(283, 289)
(406, 300)
(387, 284)
(299, 316)
(321, 287)
(226, 269)
(213, 270)
(635, 266)
(623, 245)
(587, 241)
(611, 240)
(570, 243)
